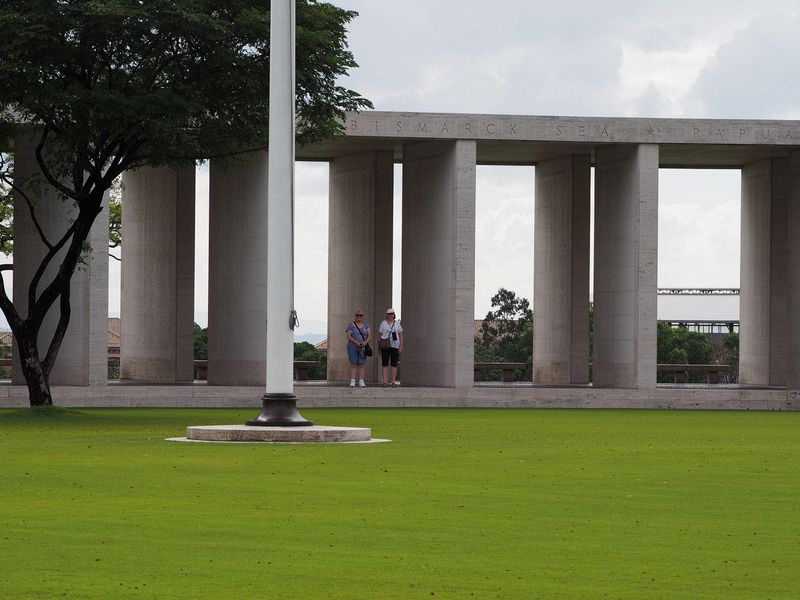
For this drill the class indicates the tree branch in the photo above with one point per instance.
(31, 209)
(58, 335)
(46, 261)
(7, 306)
(46, 170)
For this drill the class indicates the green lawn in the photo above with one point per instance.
(463, 503)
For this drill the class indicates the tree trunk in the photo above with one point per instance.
(32, 370)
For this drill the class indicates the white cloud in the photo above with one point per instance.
(755, 74)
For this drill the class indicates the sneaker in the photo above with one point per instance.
(394, 384)
(361, 383)
(352, 383)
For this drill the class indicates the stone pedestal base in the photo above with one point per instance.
(246, 433)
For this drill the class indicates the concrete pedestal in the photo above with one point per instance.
(438, 263)
(764, 252)
(561, 271)
(237, 286)
(312, 434)
(158, 275)
(625, 266)
(359, 252)
(83, 357)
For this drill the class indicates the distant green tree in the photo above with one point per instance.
(731, 345)
(306, 351)
(507, 334)
(679, 346)
(200, 342)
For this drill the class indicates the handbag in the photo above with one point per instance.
(366, 347)
(386, 343)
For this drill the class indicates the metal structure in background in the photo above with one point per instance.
(710, 326)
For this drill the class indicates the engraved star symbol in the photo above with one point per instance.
(651, 130)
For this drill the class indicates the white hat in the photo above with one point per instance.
(389, 310)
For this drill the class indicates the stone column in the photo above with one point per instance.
(764, 252)
(561, 271)
(625, 266)
(793, 275)
(359, 252)
(83, 357)
(157, 307)
(438, 295)
(237, 273)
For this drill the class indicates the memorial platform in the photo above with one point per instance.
(323, 395)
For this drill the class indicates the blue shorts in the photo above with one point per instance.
(354, 356)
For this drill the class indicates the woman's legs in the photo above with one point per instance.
(385, 364)
(394, 357)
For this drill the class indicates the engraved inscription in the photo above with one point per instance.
(579, 129)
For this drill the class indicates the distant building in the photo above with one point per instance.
(114, 336)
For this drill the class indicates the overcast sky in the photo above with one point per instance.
(734, 59)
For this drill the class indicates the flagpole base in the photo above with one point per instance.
(279, 410)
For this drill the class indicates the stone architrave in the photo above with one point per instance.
(625, 266)
(764, 253)
(438, 298)
(83, 356)
(237, 286)
(157, 304)
(360, 234)
(561, 271)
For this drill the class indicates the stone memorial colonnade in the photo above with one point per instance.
(439, 154)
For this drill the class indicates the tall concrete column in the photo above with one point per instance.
(764, 253)
(438, 298)
(83, 357)
(793, 275)
(625, 266)
(237, 274)
(561, 271)
(359, 251)
(157, 307)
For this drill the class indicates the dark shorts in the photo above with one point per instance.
(390, 355)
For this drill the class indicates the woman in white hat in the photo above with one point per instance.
(391, 345)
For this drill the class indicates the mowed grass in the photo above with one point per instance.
(462, 503)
